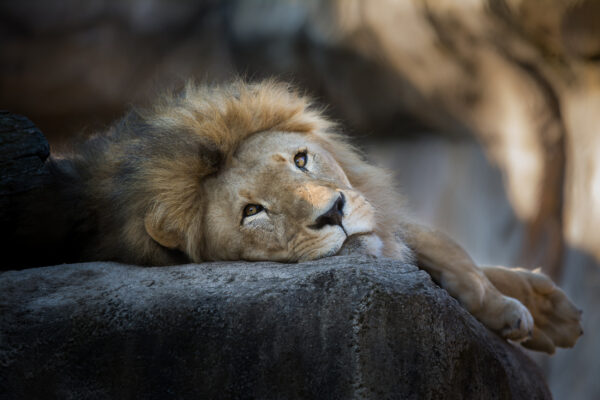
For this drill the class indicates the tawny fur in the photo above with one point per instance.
(154, 160)
(144, 187)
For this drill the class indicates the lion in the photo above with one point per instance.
(254, 171)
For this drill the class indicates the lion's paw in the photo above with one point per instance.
(517, 321)
(557, 320)
(506, 316)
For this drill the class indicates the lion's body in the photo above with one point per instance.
(254, 172)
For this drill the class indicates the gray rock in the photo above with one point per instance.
(342, 327)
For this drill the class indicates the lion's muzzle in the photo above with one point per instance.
(333, 216)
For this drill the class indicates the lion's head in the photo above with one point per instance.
(283, 197)
(235, 172)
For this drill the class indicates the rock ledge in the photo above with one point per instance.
(342, 327)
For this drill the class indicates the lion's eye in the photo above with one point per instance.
(252, 209)
(301, 160)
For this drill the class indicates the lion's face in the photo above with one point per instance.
(283, 197)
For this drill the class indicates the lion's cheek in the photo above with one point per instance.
(217, 247)
(261, 244)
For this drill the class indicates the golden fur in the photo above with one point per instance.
(170, 184)
(152, 163)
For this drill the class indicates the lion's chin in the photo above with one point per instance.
(363, 243)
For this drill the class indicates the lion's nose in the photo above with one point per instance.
(333, 216)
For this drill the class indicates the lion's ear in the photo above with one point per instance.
(161, 233)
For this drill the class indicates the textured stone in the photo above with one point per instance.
(30, 232)
(341, 327)
(23, 151)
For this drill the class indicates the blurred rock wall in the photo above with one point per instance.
(508, 92)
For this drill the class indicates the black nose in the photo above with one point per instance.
(333, 216)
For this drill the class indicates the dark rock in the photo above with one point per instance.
(340, 327)
(28, 213)
(23, 152)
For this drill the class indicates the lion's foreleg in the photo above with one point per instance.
(455, 271)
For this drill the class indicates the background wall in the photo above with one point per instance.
(486, 110)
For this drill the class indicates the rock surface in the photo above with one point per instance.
(24, 176)
(35, 227)
(342, 327)
(23, 152)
